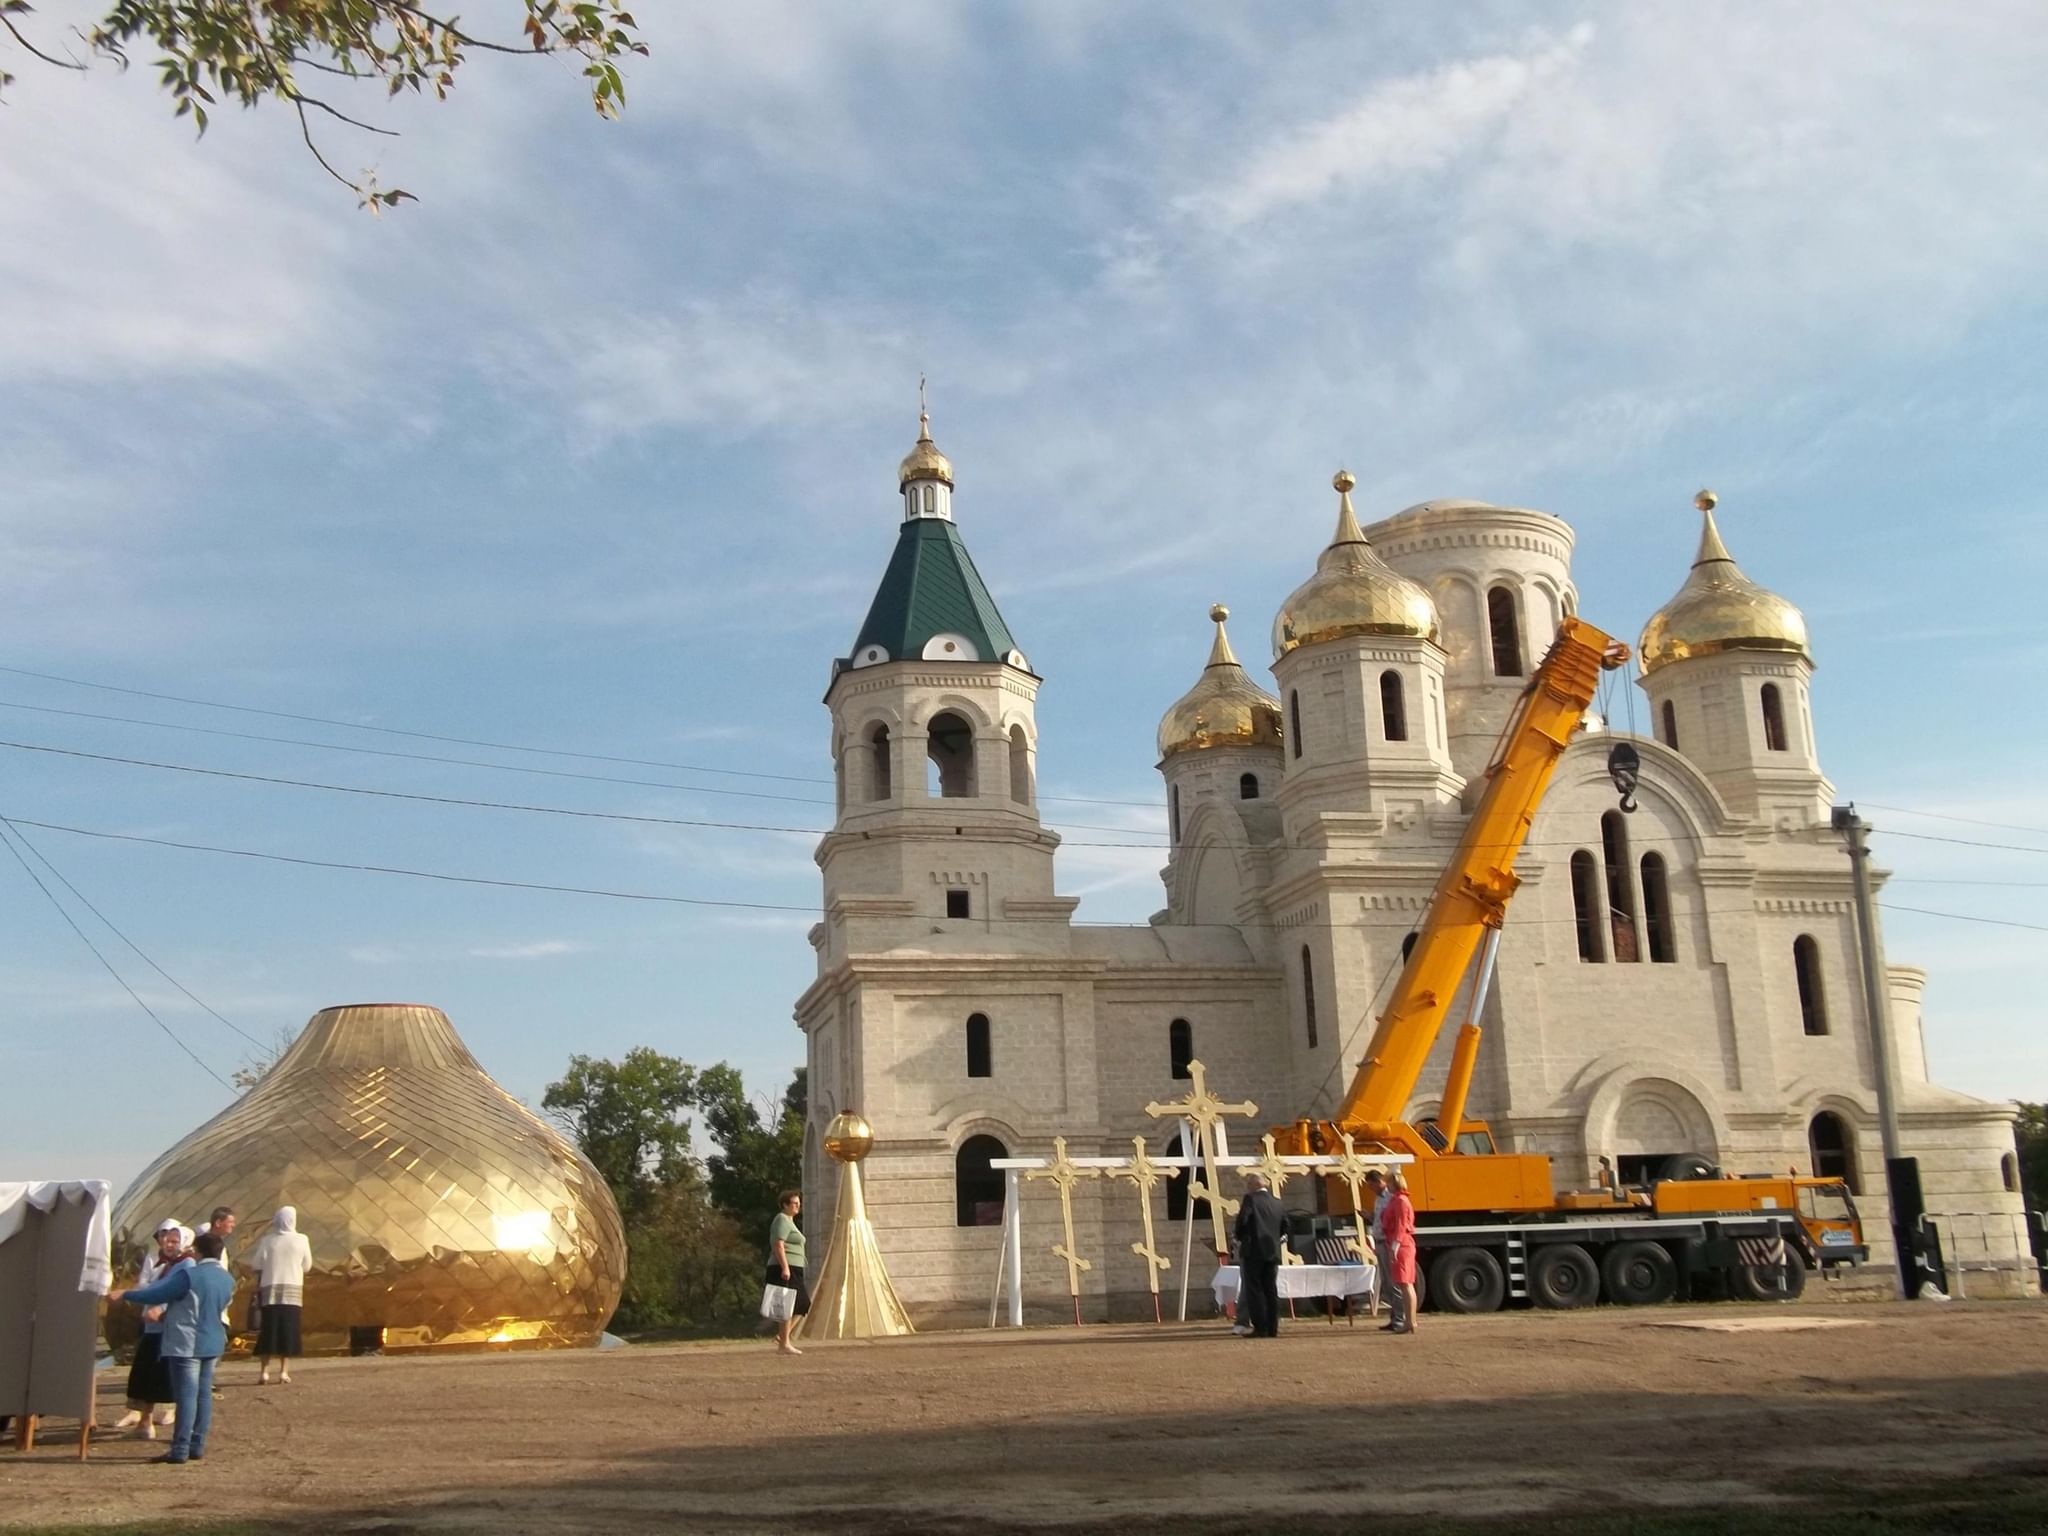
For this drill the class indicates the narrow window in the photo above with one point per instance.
(1173, 806)
(1408, 946)
(978, 1188)
(1177, 1183)
(1308, 995)
(952, 756)
(1813, 1006)
(878, 772)
(1247, 786)
(2009, 1173)
(1180, 1048)
(1834, 1149)
(1774, 719)
(1393, 709)
(1586, 905)
(1020, 766)
(1294, 719)
(931, 498)
(1507, 632)
(959, 904)
(1621, 898)
(1670, 726)
(980, 1053)
(1657, 910)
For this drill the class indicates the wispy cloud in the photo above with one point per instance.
(539, 949)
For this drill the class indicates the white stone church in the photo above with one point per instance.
(1682, 980)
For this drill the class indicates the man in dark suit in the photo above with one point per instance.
(1261, 1228)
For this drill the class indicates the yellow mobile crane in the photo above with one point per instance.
(1491, 1225)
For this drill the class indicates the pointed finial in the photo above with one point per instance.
(1220, 653)
(1348, 531)
(1711, 547)
(924, 415)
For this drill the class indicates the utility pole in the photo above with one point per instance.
(1901, 1174)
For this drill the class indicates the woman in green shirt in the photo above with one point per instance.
(786, 1265)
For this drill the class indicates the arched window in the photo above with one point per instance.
(1774, 719)
(1502, 620)
(1247, 786)
(980, 1050)
(1177, 1186)
(1833, 1147)
(1408, 945)
(1294, 719)
(1813, 1003)
(931, 498)
(1020, 766)
(878, 763)
(2009, 1173)
(1180, 1048)
(1621, 896)
(839, 780)
(1670, 726)
(951, 745)
(1657, 910)
(1586, 905)
(1308, 994)
(978, 1188)
(1173, 807)
(1393, 708)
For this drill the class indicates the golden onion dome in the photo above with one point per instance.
(1719, 609)
(1353, 592)
(1225, 708)
(924, 462)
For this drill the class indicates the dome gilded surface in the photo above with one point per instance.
(1353, 592)
(439, 1208)
(924, 462)
(1719, 609)
(1225, 708)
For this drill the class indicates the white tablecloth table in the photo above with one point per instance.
(1297, 1280)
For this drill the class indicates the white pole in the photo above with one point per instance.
(1187, 1211)
(1013, 1244)
(995, 1298)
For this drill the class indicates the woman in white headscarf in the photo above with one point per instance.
(280, 1260)
(149, 1379)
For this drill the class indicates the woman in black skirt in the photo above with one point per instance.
(786, 1266)
(149, 1379)
(280, 1260)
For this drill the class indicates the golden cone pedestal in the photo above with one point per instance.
(852, 1297)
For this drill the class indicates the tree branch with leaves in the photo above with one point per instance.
(252, 51)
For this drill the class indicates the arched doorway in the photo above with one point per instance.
(1832, 1145)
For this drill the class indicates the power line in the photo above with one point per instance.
(86, 940)
(1965, 917)
(44, 860)
(1960, 842)
(1968, 821)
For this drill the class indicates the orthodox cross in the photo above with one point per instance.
(1352, 1169)
(1276, 1173)
(1203, 1109)
(1064, 1174)
(1144, 1173)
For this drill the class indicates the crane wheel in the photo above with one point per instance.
(1467, 1280)
(1765, 1282)
(1639, 1274)
(1563, 1276)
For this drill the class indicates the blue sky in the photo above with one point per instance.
(593, 450)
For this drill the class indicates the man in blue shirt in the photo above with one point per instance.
(194, 1297)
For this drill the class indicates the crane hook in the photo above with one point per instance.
(1625, 767)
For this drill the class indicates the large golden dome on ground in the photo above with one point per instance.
(1225, 708)
(1719, 609)
(1353, 592)
(439, 1208)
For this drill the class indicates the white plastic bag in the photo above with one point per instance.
(778, 1303)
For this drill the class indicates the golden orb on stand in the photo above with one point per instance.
(1706, 501)
(849, 1138)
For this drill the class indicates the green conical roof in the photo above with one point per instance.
(932, 588)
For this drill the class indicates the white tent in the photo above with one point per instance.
(55, 1265)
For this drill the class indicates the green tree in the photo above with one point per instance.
(631, 1119)
(2031, 1140)
(756, 1160)
(244, 51)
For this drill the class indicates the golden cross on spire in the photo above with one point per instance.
(1144, 1173)
(924, 415)
(1202, 1109)
(1063, 1175)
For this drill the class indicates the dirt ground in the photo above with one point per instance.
(1124, 1429)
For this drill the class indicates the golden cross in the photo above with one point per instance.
(1352, 1169)
(1064, 1175)
(1276, 1172)
(1144, 1173)
(1203, 1109)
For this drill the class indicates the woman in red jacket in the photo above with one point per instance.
(1399, 1254)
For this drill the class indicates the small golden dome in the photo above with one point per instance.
(924, 462)
(1225, 708)
(1353, 592)
(1719, 609)
(849, 1138)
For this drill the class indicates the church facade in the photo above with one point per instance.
(1680, 981)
